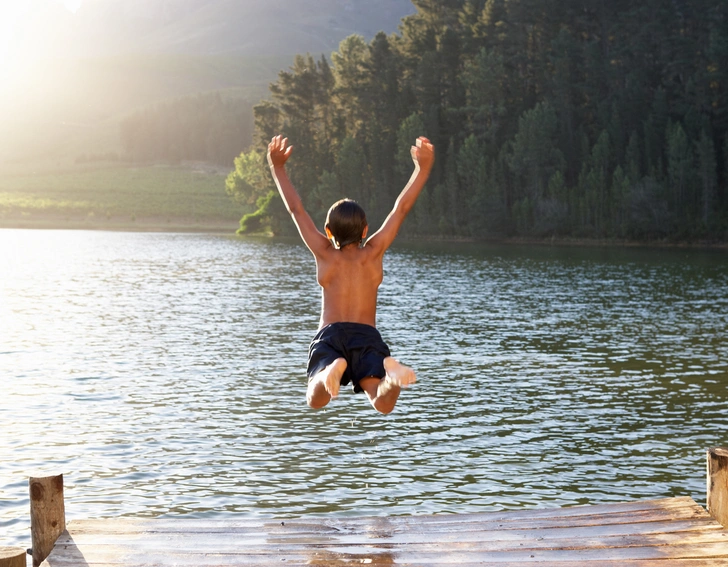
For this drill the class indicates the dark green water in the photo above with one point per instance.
(164, 374)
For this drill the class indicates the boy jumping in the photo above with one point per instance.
(348, 347)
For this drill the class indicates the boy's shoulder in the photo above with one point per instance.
(358, 255)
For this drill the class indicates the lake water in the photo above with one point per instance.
(164, 375)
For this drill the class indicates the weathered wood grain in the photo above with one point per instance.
(671, 509)
(12, 557)
(636, 534)
(47, 514)
(717, 499)
(325, 556)
(241, 538)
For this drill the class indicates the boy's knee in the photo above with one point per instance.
(316, 402)
(383, 406)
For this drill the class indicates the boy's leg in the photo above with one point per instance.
(384, 392)
(325, 385)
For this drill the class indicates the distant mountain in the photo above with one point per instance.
(247, 27)
(83, 72)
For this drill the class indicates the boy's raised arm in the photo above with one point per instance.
(423, 156)
(278, 153)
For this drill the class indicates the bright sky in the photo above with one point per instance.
(14, 16)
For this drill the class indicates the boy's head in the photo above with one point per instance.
(346, 223)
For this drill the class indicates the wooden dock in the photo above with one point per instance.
(650, 533)
(657, 533)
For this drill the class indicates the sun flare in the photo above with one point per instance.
(26, 34)
(72, 5)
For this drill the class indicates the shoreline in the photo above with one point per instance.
(139, 225)
(222, 226)
(617, 243)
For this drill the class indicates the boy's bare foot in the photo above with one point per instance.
(325, 385)
(330, 377)
(397, 375)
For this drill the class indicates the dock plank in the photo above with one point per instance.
(637, 534)
(693, 515)
(279, 535)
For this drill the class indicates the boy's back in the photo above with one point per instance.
(349, 278)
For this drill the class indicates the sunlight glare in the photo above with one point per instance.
(26, 35)
(11, 14)
(72, 5)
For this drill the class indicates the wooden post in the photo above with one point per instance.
(717, 500)
(12, 557)
(47, 515)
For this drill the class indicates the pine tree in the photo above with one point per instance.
(707, 165)
(535, 156)
(680, 172)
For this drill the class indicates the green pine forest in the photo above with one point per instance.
(551, 118)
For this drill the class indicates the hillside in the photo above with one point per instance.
(83, 72)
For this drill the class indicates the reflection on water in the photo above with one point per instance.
(164, 374)
(326, 558)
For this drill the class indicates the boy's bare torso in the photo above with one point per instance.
(349, 279)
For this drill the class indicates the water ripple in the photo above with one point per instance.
(164, 375)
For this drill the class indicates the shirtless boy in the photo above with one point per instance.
(348, 347)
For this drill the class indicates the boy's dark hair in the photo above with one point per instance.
(346, 220)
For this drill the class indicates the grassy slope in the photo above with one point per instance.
(118, 197)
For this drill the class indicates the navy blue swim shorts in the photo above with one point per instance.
(361, 345)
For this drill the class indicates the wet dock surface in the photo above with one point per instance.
(659, 533)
